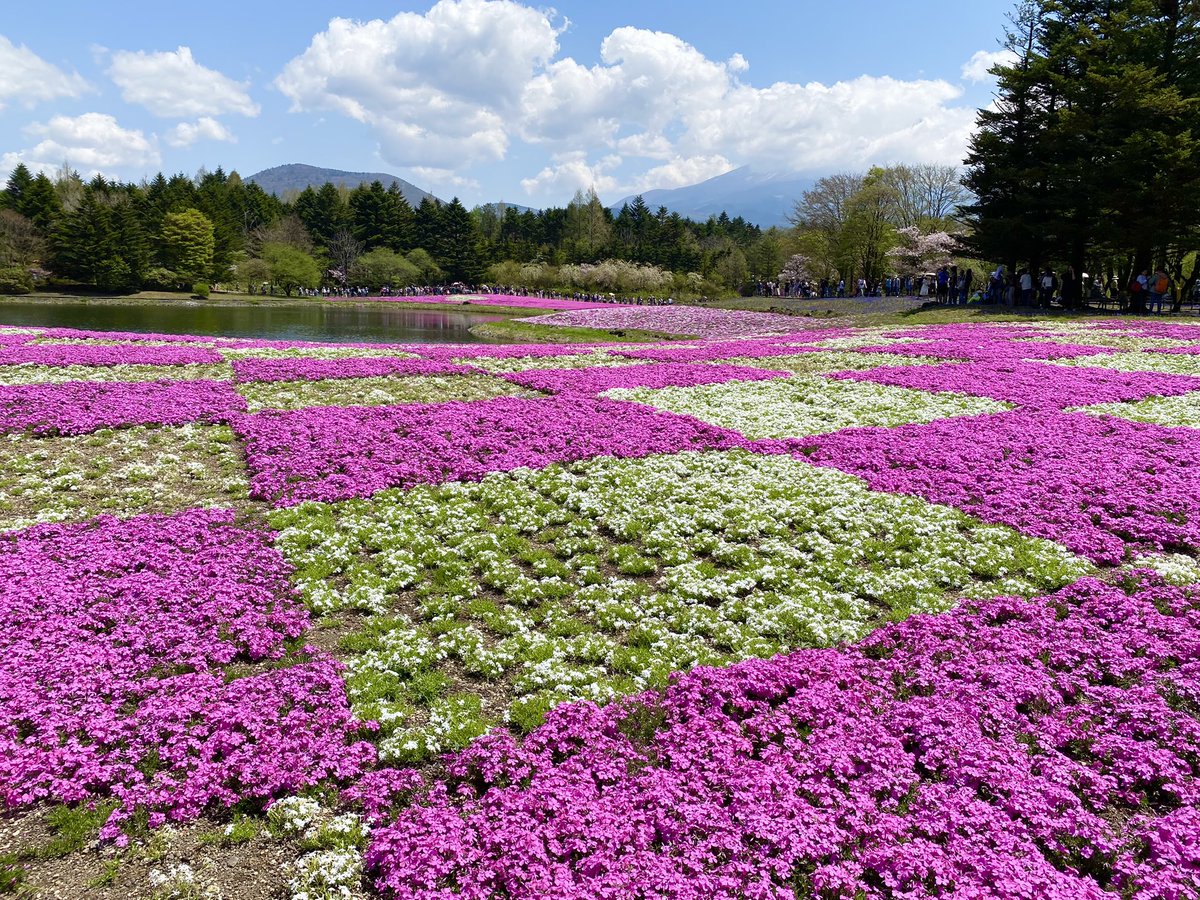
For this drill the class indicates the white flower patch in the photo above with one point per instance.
(1182, 411)
(321, 352)
(865, 337)
(117, 342)
(1166, 363)
(498, 365)
(181, 882)
(1175, 568)
(325, 875)
(1092, 336)
(491, 601)
(799, 406)
(830, 361)
(31, 373)
(293, 815)
(123, 471)
(376, 391)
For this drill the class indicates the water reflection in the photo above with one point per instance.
(336, 322)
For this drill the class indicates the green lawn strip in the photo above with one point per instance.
(483, 603)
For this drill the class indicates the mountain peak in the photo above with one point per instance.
(280, 180)
(763, 198)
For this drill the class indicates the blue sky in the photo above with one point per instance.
(493, 99)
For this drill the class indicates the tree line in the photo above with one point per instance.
(1090, 156)
(893, 220)
(185, 233)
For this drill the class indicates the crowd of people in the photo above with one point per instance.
(448, 290)
(948, 284)
(1147, 290)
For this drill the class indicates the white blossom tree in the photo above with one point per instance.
(797, 268)
(916, 253)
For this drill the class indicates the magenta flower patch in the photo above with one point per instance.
(113, 637)
(1013, 750)
(105, 355)
(335, 453)
(76, 407)
(1091, 483)
(1035, 385)
(597, 380)
(301, 369)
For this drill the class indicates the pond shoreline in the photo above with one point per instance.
(304, 318)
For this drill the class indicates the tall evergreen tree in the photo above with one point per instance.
(427, 226)
(40, 204)
(458, 251)
(1090, 152)
(14, 190)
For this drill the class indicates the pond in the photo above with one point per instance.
(335, 322)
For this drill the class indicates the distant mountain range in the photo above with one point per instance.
(495, 207)
(282, 180)
(764, 198)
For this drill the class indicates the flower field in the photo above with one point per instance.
(836, 613)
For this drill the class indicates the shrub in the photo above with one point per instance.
(161, 279)
(15, 280)
(200, 289)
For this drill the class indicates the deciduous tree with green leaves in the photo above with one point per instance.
(186, 245)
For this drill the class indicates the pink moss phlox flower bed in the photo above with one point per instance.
(1035, 385)
(656, 375)
(114, 634)
(697, 321)
(320, 369)
(335, 453)
(717, 350)
(105, 355)
(1091, 483)
(485, 300)
(1013, 749)
(77, 407)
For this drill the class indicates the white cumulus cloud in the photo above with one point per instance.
(173, 85)
(93, 143)
(437, 88)
(571, 172)
(26, 77)
(205, 128)
(976, 68)
(456, 86)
